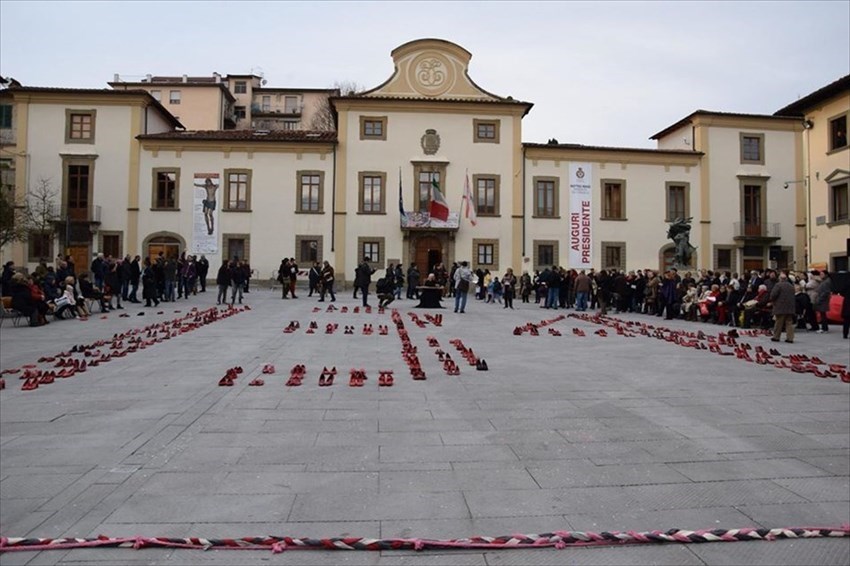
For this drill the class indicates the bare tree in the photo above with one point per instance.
(12, 224)
(41, 211)
(325, 118)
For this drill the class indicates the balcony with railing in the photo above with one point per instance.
(280, 110)
(763, 231)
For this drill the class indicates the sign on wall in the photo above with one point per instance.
(205, 213)
(581, 225)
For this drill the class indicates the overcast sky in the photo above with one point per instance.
(598, 73)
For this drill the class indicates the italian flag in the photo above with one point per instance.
(438, 208)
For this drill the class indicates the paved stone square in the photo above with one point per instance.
(621, 432)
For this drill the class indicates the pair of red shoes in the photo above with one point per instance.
(358, 376)
(385, 378)
(268, 369)
(326, 378)
(230, 377)
(256, 382)
(296, 375)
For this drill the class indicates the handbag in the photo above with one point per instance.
(463, 285)
(62, 301)
(751, 303)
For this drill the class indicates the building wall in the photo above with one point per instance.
(828, 239)
(271, 223)
(723, 191)
(644, 229)
(402, 149)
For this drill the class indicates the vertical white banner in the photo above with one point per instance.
(581, 218)
(205, 213)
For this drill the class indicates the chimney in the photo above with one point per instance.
(185, 78)
(148, 78)
(217, 77)
(116, 77)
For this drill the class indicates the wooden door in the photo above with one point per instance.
(750, 264)
(429, 252)
(82, 258)
(752, 210)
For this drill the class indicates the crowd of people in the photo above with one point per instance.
(718, 297)
(58, 289)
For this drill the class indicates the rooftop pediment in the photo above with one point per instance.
(434, 69)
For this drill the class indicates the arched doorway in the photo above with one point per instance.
(170, 246)
(429, 252)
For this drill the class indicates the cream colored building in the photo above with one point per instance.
(746, 214)
(825, 174)
(82, 144)
(268, 193)
(200, 103)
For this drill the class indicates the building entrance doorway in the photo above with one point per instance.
(169, 247)
(429, 252)
(81, 255)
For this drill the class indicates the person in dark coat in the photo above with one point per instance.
(203, 269)
(845, 308)
(784, 308)
(314, 279)
(150, 290)
(135, 276)
(6, 278)
(413, 277)
(822, 305)
(363, 277)
(222, 279)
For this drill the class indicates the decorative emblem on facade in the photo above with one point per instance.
(431, 74)
(430, 142)
(580, 173)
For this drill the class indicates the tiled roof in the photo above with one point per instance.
(432, 99)
(100, 91)
(799, 107)
(302, 136)
(687, 120)
(605, 148)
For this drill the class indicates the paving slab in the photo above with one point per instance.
(563, 432)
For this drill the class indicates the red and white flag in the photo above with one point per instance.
(469, 210)
(438, 208)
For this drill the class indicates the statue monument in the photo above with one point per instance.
(680, 231)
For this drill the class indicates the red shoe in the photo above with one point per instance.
(30, 384)
(256, 382)
(225, 381)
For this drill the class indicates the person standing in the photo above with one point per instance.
(462, 283)
(150, 292)
(327, 281)
(582, 291)
(509, 287)
(203, 268)
(413, 277)
(222, 279)
(784, 308)
(824, 293)
(237, 281)
(293, 277)
(362, 279)
(314, 278)
(399, 280)
(98, 270)
(283, 277)
(525, 286)
(135, 275)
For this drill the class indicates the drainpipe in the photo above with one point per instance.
(523, 202)
(333, 201)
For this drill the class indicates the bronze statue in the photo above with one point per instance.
(680, 231)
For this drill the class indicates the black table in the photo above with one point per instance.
(429, 297)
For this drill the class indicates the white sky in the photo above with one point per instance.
(599, 73)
